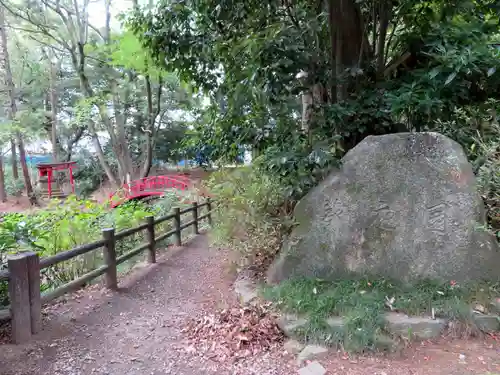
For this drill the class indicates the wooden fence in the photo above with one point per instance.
(24, 278)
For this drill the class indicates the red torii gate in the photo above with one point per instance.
(47, 169)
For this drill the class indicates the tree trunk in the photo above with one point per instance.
(3, 193)
(152, 115)
(12, 110)
(53, 108)
(346, 36)
(3, 59)
(24, 168)
(339, 55)
(100, 155)
(384, 16)
(13, 159)
(121, 144)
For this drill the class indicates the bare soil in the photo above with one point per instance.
(13, 204)
(140, 330)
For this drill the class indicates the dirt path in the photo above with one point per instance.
(137, 331)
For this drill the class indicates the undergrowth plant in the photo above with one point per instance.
(66, 224)
(362, 303)
(252, 213)
(488, 176)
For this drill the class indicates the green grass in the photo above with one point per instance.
(363, 302)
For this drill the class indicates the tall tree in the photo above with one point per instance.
(330, 53)
(13, 159)
(122, 98)
(3, 193)
(12, 107)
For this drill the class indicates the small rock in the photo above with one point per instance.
(487, 323)
(386, 343)
(336, 324)
(495, 305)
(290, 323)
(313, 368)
(420, 327)
(480, 308)
(245, 290)
(310, 352)
(293, 346)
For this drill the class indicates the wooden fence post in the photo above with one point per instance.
(150, 220)
(177, 223)
(34, 288)
(195, 218)
(209, 214)
(109, 252)
(19, 295)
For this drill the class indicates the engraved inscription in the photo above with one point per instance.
(386, 217)
(332, 208)
(436, 219)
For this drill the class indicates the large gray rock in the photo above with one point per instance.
(403, 206)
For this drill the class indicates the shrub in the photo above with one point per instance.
(252, 213)
(63, 226)
(488, 176)
(66, 224)
(88, 175)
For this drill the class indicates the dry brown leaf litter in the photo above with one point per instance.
(233, 334)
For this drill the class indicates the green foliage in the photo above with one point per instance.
(169, 146)
(63, 226)
(250, 71)
(363, 301)
(296, 166)
(251, 212)
(489, 178)
(88, 174)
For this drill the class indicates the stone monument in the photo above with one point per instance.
(403, 206)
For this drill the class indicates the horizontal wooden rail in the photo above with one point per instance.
(24, 269)
(205, 216)
(164, 236)
(129, 232)
(188, 224)
(186, 210)
(67, 255)
(132, 253)
(73, 285)
(164, 218)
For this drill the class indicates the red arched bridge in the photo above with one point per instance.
(149, 187)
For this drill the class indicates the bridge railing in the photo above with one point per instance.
(151, 184)
(24, 277)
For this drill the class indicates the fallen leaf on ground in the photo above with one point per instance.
(236, 333)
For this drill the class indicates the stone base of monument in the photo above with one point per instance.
(399, 328)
